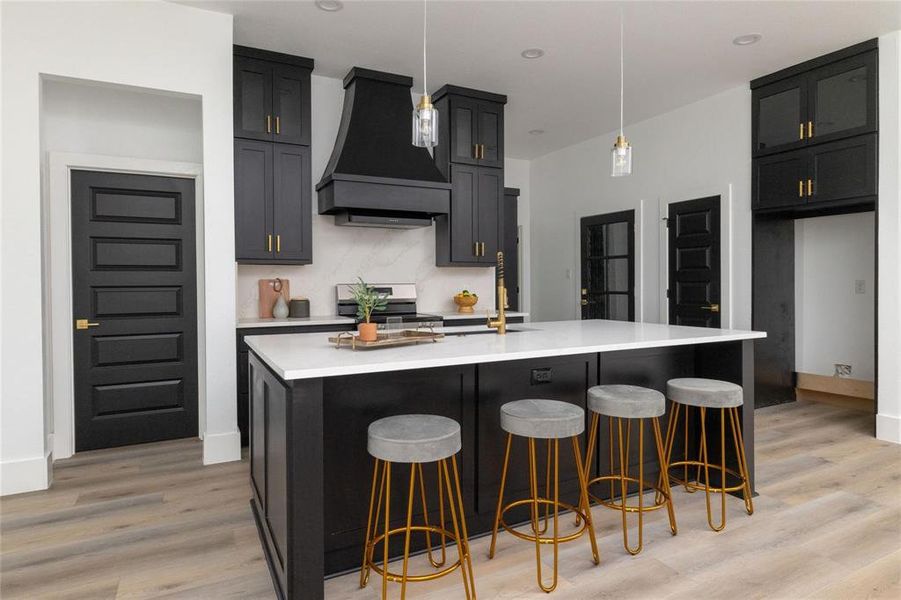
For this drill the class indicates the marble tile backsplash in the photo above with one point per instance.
(341, 254)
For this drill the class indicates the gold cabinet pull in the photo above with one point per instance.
(800, 189)
(800, 131)
(269, 243)
(483, 248)
(278, 128)
(475, 150)
(810, 187)
(475, 248)
(268, 124)
(809, 129)
(278, 241)
(84, 324)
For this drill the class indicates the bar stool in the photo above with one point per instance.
(709, 394)
(551, 420)
(416, 439)
(629, 402)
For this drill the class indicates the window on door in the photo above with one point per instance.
(608, 266)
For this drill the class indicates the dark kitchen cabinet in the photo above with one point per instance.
(291, 203)
(253, 200)
(829, 98)
(271, 96)
(836, 174)
(470, 154)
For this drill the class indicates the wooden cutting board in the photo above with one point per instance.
(269, 292)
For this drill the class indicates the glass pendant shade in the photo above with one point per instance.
(425, 124)
(621, 158)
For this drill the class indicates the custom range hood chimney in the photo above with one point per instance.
(376, 177)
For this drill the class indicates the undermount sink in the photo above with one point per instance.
(486, 330)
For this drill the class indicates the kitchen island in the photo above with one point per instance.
(311, 405)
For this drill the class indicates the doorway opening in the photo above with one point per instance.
(608, 266)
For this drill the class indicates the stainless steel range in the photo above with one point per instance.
(401, 303)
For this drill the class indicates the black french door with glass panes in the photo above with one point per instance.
(608, 266)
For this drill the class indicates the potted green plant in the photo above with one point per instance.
(368, 299)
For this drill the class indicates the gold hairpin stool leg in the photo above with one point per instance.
(620, 479)
(535, 501)
(380, 499)
(703, 462)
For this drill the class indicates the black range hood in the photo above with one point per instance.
(376, 177)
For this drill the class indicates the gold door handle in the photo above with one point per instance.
(278, 128)
(810, 187)
(84, 324)
(800, 131)
(711, 307)
(809, 129)
(269, 243)
(268, 124)
(800, 189)
(278, 243)
(584, 302)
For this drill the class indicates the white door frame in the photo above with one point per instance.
(725, 192)
(59, 370)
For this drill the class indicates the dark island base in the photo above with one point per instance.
(311, 474)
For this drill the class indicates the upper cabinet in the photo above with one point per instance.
(826, 99)
(273, 185)
(470, 154)
(271, 96)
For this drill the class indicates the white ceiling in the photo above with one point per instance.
(676, 52)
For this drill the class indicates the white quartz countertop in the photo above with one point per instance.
(295, 322)
(478, 314)
(310, 355)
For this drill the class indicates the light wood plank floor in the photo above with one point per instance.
(150, 522)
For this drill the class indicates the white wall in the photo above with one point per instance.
(888, 421)
(834, 323)
(340, 254)
(155, 45)
(702, 149)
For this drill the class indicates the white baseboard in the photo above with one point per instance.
(26, 475)
(221, 447)
(888, 428)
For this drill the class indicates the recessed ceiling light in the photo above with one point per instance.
(329, 5)
(747, 39)
(536, 131)
(532, 53)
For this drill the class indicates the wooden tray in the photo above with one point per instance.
(385, 339)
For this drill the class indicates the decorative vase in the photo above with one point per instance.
(368, 332)
(465, 304)
(280, 310)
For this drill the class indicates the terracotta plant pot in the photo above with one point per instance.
(368, 332)
(465, 303)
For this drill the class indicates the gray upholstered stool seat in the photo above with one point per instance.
(544, 419)
(704, 393)
(626, 401)
(414, 438)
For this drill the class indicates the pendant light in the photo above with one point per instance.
(621, 155)
(425, 117)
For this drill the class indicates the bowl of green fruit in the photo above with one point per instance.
(465, 301)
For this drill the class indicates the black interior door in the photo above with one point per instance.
(510, 229)
(608, 266)
(252, 98)
(134, 287)
(694, 262)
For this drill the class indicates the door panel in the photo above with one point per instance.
(843, 98)
(464, 196)
(844, 170)
(608, 266)
(491, 193)
(253, 200)
(464, 130)
(779, 112)
(779, 180)
(291, 104)
(491, 134)
(252, 98)
(694, 262)
(510, 227)
(292, 214)
(133, 259)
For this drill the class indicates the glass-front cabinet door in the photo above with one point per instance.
(842, 98)
(780, 115)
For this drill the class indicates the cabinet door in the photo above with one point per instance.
(490, 202)
(464, 127)
(253, 200)
(252, 98)
(843, 170)
(842, 98)
(779, 115)
(292, 211)
(291, 104)
(780, 180)
(463, 213)
(491, 134)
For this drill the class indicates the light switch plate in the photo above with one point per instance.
(860, 286)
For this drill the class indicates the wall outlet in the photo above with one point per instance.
(542, 376)
(860, 286)
(842, 370)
